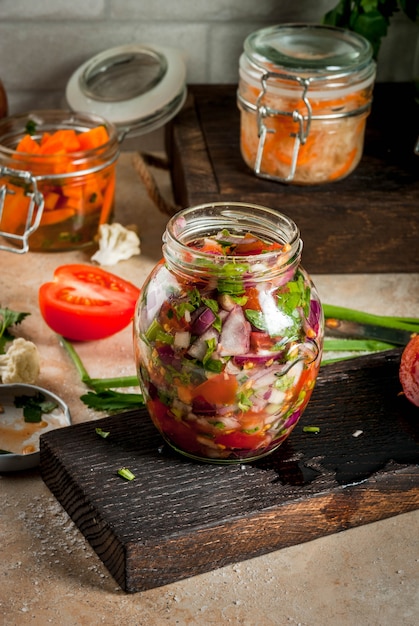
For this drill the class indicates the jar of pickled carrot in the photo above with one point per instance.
(305, 91)
(228, 333)
(57, 179)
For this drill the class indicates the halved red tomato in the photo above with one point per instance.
(84, 303)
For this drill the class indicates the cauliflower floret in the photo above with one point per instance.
(116, 243)
(21, 363)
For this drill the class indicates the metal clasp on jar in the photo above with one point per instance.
(33, 214)
(304, 120)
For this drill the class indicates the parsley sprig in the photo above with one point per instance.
(34, 407)
(370, 18)
(8, 318)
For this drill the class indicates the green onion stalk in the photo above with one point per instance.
(102, 396)
(361, 346)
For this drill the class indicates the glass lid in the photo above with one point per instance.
(308, 46)
(136, 87)
(123, 75)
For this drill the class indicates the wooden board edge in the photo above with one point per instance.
(151, 564)
(178, 557)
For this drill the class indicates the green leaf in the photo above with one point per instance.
(182, 307)
(256, 318)
(214, 365)
(231, 287)
(211, 346)
(163, 337)
(34, 407)
(8, 318)
(194, 297)
(339, 15)
(369, 18)
(109, 400)
(373, 26)
(30, 127)
(211, 304)
(32, 414)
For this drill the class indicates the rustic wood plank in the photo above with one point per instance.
(368, 222)
(189, 140)
(179, 518)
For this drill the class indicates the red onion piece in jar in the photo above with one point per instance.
(235, 334)
(203, 321)
(198, 349)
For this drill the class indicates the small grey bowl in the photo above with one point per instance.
(11, 462)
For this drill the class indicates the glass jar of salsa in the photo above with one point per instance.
(228, 333)
(57, 179)
(305, 91)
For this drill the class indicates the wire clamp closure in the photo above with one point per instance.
(33, 213)
(303, 121)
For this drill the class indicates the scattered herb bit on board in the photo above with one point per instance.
(311, 429)
(102, 433)
(126, 473)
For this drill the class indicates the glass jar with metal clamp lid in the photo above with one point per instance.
(57, 179)
(305, 91)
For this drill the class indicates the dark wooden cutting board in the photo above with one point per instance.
(368, 222)
(178, 518)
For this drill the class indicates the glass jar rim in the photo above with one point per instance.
(208, 219)
(321, 49)
(15, 127)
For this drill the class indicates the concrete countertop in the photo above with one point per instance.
(367, 576)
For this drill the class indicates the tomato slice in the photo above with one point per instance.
(219, 389)
(409, 370)
(84, 303)
(179, 433)
(242, 441)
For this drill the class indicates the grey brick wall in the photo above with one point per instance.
(43, 41)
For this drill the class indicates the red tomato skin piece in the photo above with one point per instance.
(409, 370)
(85, 303)
(242, 441)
